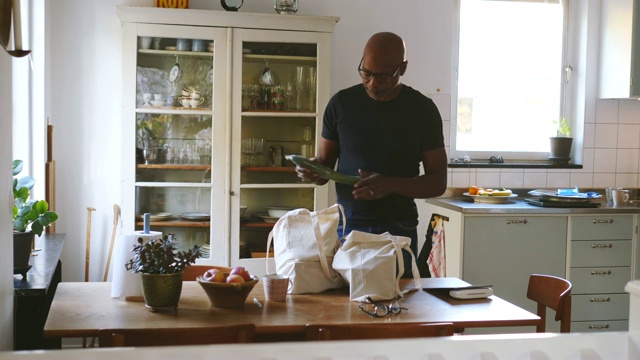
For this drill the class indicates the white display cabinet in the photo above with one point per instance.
(263, 82)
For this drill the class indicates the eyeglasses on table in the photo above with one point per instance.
(376, 309)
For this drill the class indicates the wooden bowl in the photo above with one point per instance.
(227, 295)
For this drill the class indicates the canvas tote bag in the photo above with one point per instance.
(304, 244)
(368, 262)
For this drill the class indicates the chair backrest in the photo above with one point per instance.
(191, 272)
(242, 333)
(376, 331)
(551, 292)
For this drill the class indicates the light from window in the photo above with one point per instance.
(509, 77)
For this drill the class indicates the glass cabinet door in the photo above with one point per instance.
(278, 106)
(179, 118)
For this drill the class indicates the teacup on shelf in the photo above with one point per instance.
(195, 102)
(185, 101)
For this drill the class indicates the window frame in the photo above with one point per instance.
(567, 92)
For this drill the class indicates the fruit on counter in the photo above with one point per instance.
(475, 190)
(492, 192)
(234, 279)
(242, 272)
(213, 275)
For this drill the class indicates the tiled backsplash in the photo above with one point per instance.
(611, 154)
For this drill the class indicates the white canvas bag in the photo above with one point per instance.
(304, 244)
(368, 262)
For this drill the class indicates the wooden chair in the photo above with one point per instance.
(376, 331)
(243, 333)
(554, 293)
(191, 272)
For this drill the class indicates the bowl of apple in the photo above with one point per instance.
(227, 289)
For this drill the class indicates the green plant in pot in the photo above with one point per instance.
(561, 143)
(160, 265)
(30, 217)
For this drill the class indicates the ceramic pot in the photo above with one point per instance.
(22, 244)
(560, 147)
(161, 291)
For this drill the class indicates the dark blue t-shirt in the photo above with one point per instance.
(383, 137)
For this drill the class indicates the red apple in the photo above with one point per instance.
(239, 270)
(213, 275)
(233, 278)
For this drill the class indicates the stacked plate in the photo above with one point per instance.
(206, 251)
(550, 198)
(490, 199)
(162, 216)
(196, 216)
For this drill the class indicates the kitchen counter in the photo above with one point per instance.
(517, 205)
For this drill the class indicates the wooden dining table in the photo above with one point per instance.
(80, 309)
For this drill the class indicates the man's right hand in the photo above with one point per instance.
(307, 175)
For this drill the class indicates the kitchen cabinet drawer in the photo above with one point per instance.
(599, 307)
(599, 326)
(601, 253)
(599, 280)
(600, 227)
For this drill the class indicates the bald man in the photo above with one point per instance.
(383, 130)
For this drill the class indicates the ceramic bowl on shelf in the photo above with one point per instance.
(157, 103)
(243, 210)
(277, 211)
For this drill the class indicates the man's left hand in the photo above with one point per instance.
(372, 186)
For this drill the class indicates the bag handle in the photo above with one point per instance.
(266, 258)
(321, 251)
(417, 284)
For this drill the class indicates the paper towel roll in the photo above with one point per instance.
(126, 283)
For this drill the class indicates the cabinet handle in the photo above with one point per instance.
(596, 221)
(607, 299)
(604, 326)
(608, 272)
(232, 193)
(516, 221)
(602, 246)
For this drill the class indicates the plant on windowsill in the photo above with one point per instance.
(161, 267)
(30, 217)
(561, 143)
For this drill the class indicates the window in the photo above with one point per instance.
(510, 78)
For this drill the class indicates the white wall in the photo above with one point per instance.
(6, 256)
(85, 91)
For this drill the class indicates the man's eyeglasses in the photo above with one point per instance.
(383, 78)
(375, 309)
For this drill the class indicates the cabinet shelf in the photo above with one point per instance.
(177, 110)
(173, 167)
(280, 58)
(288, 169)
(177, 223)
(258, 225)
(176, 52)
(277, 113)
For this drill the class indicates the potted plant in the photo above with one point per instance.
(161, 267)
(561, 143)
(30, 217)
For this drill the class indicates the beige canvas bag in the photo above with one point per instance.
(373, 264)
(304, 243)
